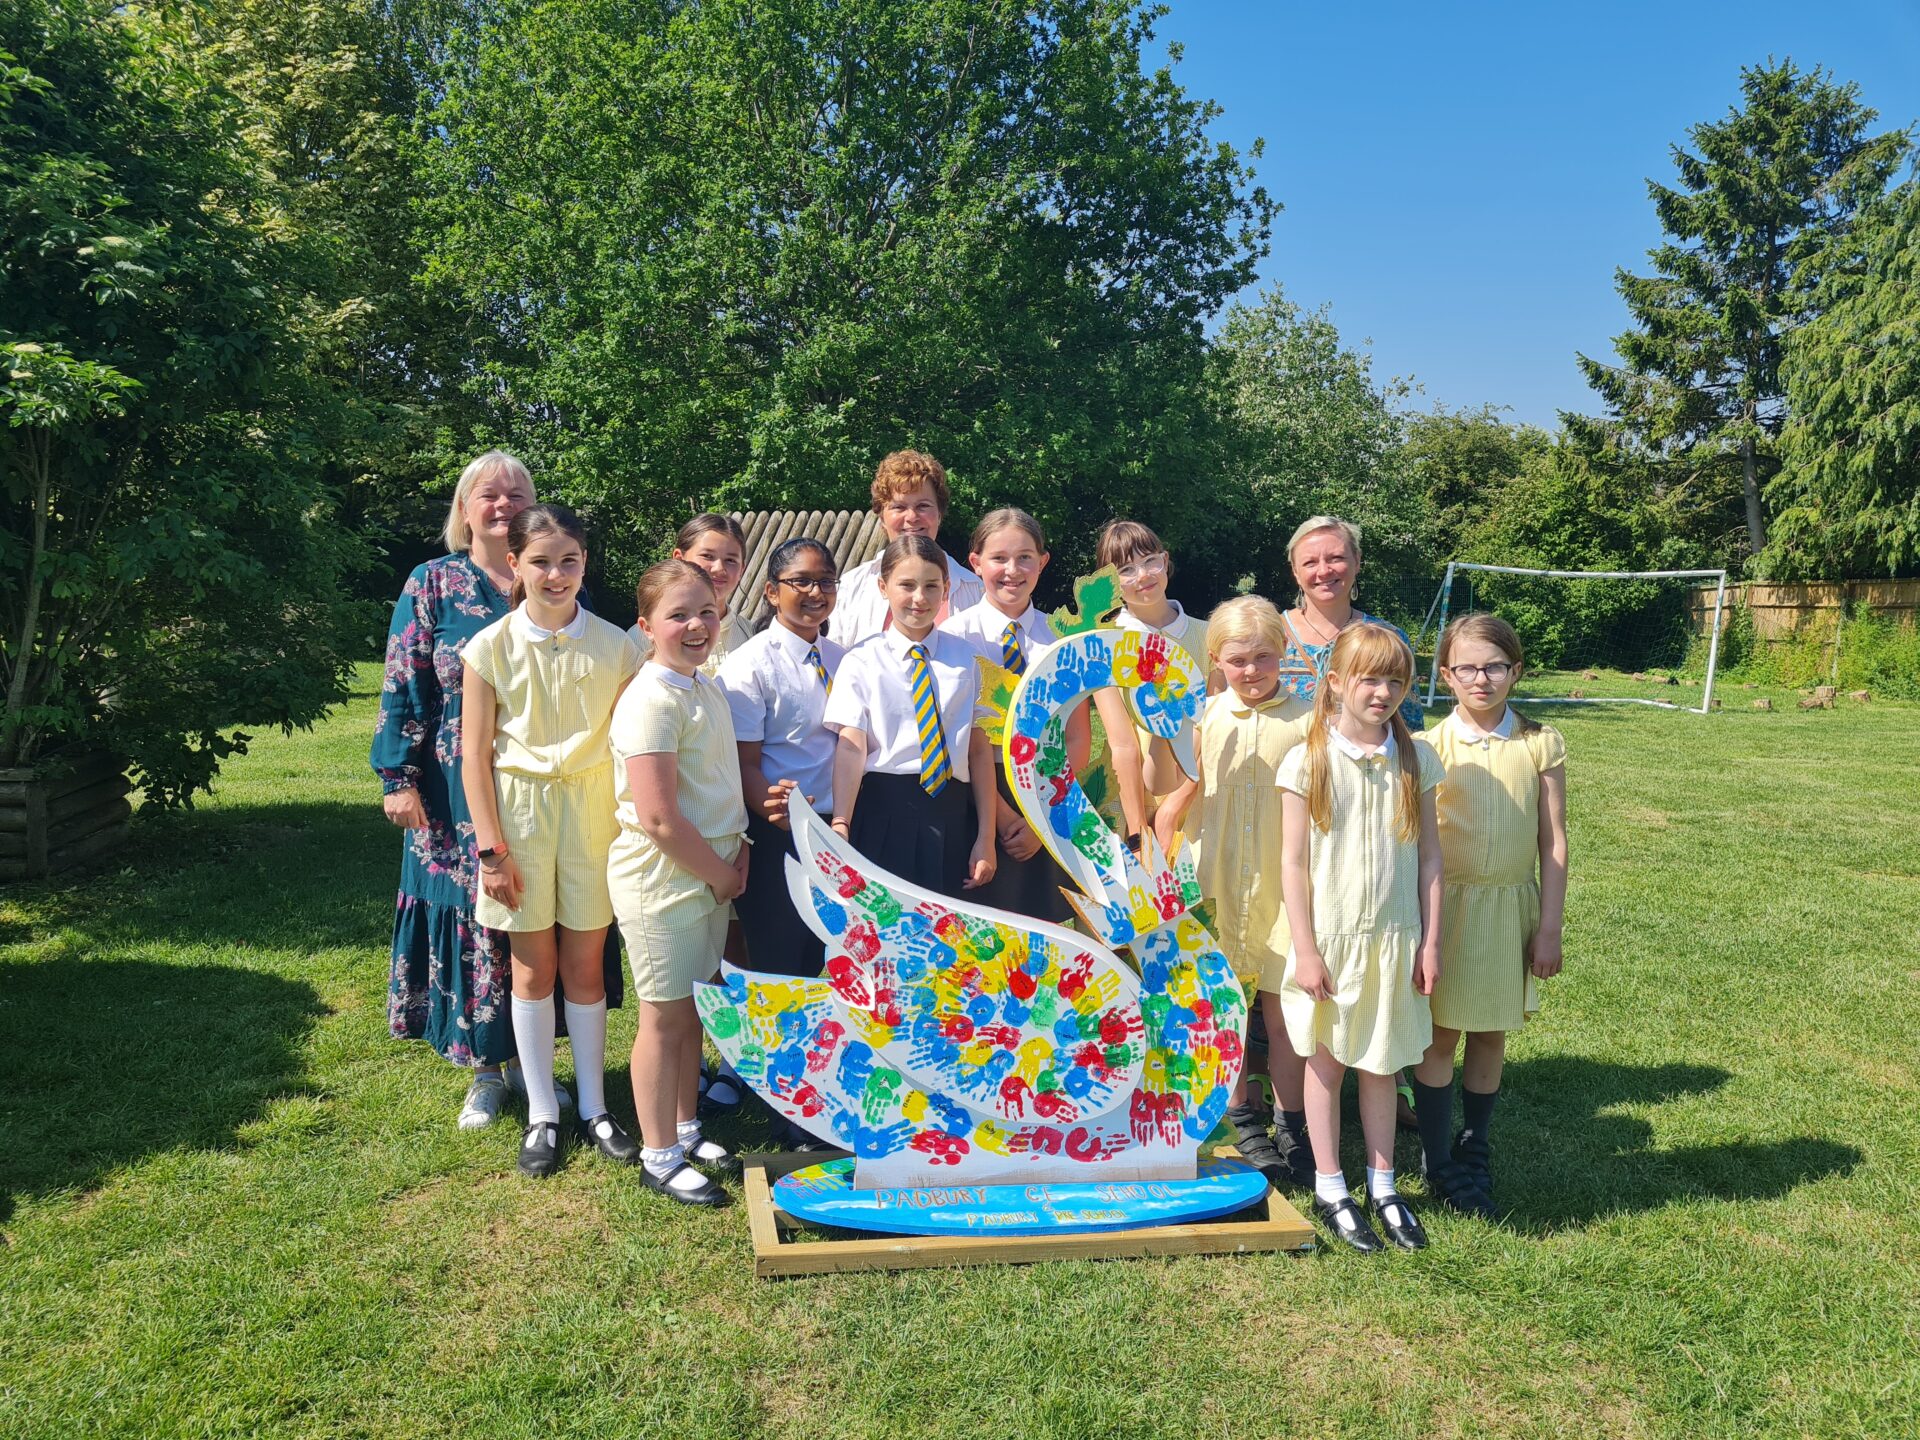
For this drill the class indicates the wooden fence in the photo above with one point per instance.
(1781, 612)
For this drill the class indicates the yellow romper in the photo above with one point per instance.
(552, 771)
(674, 928)
(1489, 808)
(1365, 887)
(1235, 826)
(733, 634)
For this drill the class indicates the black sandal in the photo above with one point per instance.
(713, 1103)
(1398, 1220)
(705, 1193)
(1459, 1188)
(1251, 1137)
(1294, 1157)
(603, 1132)
(540, 1149)
(1348, 1224)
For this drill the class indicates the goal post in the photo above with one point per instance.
(1644, 614)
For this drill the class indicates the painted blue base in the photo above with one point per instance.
(824, 1194)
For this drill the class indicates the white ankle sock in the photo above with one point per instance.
(533, 1035)
(687, 1130)
(587, 1031)
(1331, 1189)
(1379, 1182)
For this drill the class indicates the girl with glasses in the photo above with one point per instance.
(1503, 840)
(776, 686)
(1145, 568)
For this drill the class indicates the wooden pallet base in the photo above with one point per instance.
(777, 1250)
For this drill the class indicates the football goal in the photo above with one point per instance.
(1620, 637)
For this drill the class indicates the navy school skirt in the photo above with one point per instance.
(924, 839)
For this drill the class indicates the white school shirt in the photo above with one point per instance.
(862, 609)
(981, 626)
(776, 697)
(871, 693)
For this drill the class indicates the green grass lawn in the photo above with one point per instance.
(230, 1205)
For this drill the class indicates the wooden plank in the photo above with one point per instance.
(90, 848)
(72, 829)
(1277, 1227)
(86, 798)
(57, 777)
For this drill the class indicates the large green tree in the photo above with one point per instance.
(1461, 461)
(1849, 496)
(1309, 431)
(731, 251)
(333, 94)
(171, 566)
(1762, 198)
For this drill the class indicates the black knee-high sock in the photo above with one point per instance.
(1433, 1109)
(1477, 1109)
(1295, 1123)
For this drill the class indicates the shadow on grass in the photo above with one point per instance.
(1561, 1159)
(110, 1061)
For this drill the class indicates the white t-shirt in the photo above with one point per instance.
(871, 692)
(777, 697)
(862, 610)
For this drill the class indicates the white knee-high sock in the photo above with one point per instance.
(587, 1030)
(533, 1035)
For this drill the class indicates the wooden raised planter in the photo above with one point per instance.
(61, 813)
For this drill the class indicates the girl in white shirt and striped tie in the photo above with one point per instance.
(1008, 553)
(912, 777)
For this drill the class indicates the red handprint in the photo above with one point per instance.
(1013, 1095)
(939, 1147)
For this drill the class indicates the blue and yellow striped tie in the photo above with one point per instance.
(819, 666)
(935, 769)
(1012, 654)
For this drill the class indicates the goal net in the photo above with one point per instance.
(1622, 637)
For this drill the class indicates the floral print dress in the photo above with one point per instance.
(451, 979)
(1303, 665)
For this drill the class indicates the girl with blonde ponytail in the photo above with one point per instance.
(1360, 873)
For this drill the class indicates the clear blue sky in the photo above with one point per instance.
(1461, 179)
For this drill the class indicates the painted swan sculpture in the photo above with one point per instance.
(948, 1042)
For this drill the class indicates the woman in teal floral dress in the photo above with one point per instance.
(451, 979)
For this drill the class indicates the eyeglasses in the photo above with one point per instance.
(1141, 569)
(818, 585)
(1495, 672)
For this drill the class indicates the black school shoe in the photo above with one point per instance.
(1398, 1220)
(705, 1193)
(603, 1132)
(1344, 1219)
(1252, 1138)
(540, 1149)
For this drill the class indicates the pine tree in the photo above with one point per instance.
(1762, 198)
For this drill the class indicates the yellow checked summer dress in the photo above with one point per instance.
(673, 926)
(1235, 826)
(554, 692)
(1489, 807)
(1365, 884)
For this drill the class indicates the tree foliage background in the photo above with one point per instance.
(275, 268)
